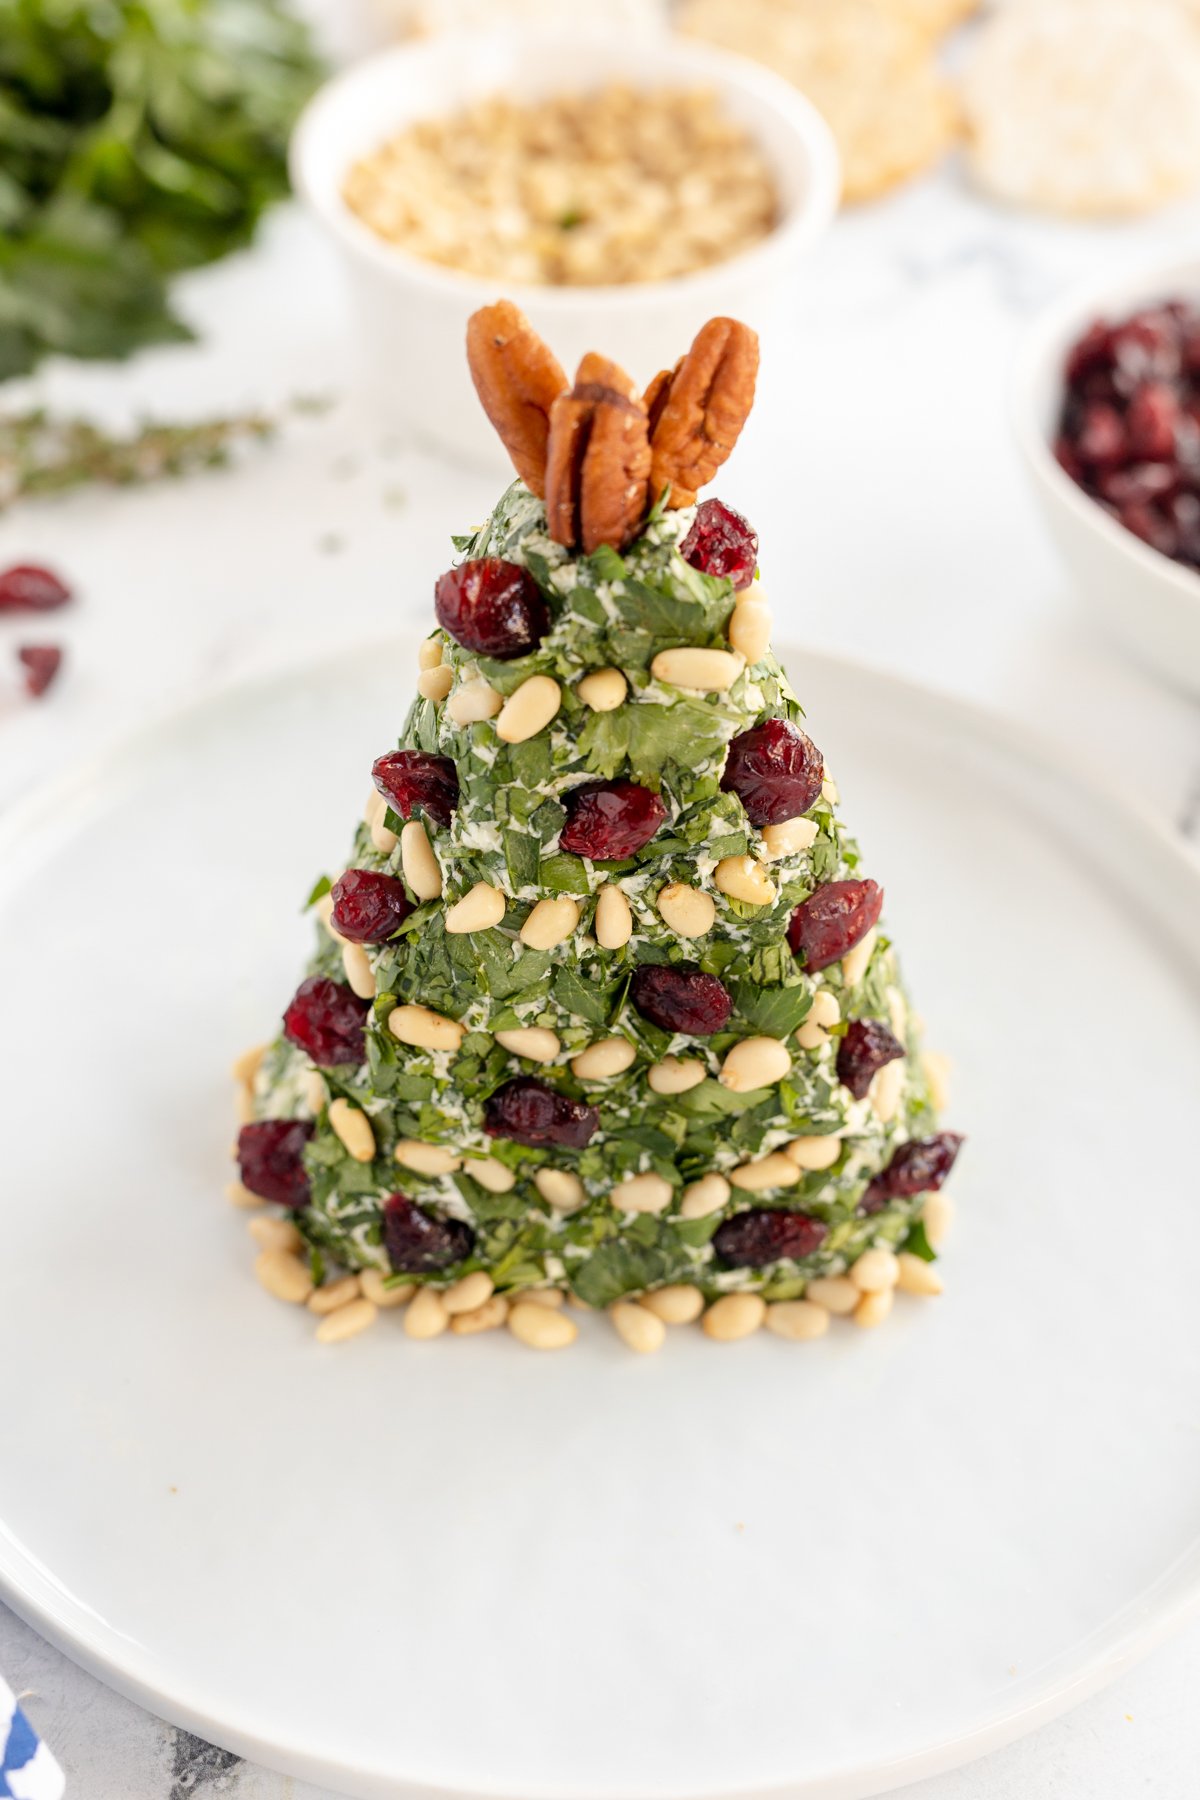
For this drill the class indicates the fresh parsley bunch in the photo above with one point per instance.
(137, 138)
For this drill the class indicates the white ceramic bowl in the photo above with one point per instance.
(412, 314)
(1151, 603)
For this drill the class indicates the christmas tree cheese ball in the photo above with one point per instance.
(601, 1013)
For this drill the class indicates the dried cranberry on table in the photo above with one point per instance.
(368, 906)
(609, 820)
(919, 1167)
(492, 607)
(1129, 430)
(836, 916)
(41, 663)
(27, 587)
(411, 778)
(532, 1112)
(326, 1020)
(867, 1047)
(681, 997)
(419, 1242)
(775, 770)
(767, 1235)
(271, 1160)
(721, 542)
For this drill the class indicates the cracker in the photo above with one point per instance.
(932, 18)
(869, 71)
(1086, 107)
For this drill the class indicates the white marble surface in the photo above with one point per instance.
(895, 525)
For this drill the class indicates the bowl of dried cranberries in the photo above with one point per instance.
(1107, 413)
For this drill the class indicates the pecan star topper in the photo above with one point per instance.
(598, 453)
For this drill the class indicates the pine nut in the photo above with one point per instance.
(284, 1275)
(799, 1320)
(358, 971)
(473, 702)
(789, 837)
(611, 1056)
(614, 921)
(676, 1074)
(874, 1271)
(528, 709)
(823, 1013)
(373, 1284)
(750, 630)
(734, 1316)
(323, 910)
(708, 671)
(603, 690)
(873, 1308)
(836, 1293)
(346, 1322)
(425, 1030)
(333, 1294)
(756, 1062)
(429, 653)
(426, 1159)
(382, 837)
(534, 1042)
(560, 1188)
(887, 1086)
(743, 878)
(313, 1091)
(421, 868)
(700, 1198)
(425, 1316)
(898, 1015)
(478, 910)
(237, 1195)
(936, 1069)
(551, 923)
(829, 789)
(916, 1275)
(687, 911)
(541, 1328)
(649, 1193)
(814, 1152)
(675, 1305)
(353, 1128)
(275, 1234)
(641, 1330)
(937, 1216)
(486, 1317)
(247, 1065)
(774, 1171)
(854, 963)
(435, 684)
(465, 1295)
(552, 1297)
(490, 1174)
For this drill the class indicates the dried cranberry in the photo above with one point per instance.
(29, 588)
(867, 1046)
(608, 820)
(368, 906)
(722, 543)
(1092, 353)
(1146, 347)
(325, 1019)
(493, 607)
(836, 916)
(1065, 457)
(271, 1159)
(409, 779)
(1146, 522)
(1151, 421)
(1139, 481)
(767, 1235)
(420, 1243)
(532, 1112)
(918, 1167)
(681, 997)
(775, 770)
(41, 663)
(1101, 438)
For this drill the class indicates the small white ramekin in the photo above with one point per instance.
(412, 314)
(1149, 602)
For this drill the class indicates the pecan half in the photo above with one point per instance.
(700, 407)
(518, 378)
(598, 466)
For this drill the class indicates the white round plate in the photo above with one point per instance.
(462, 1569)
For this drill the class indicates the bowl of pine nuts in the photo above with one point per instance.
(620, 191)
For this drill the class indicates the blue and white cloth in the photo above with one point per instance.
(27, 1769)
